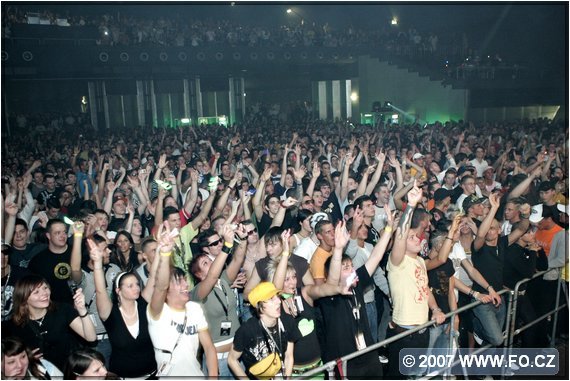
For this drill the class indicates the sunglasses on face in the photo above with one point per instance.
(307, 202)
(215, 243)
(252, 232)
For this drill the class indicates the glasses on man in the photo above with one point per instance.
(307, 202)
(252, 232)
(215, 243)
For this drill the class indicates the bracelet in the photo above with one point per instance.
(471, 292)
(78, 235)
(286, 254)
(167, 254)
(451, 239)
(229, 245)
(227, 250)
(82, 316)
(437, 309)
(388, 229)
(488, 287)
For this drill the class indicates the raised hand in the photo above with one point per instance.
(341, 236)
(414, 195)
(166, 237)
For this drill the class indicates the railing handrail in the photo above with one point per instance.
(350, 356)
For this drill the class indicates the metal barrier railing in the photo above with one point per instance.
(508, 335)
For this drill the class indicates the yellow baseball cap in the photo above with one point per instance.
(262, 292)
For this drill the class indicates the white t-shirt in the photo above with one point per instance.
(457, 256)
(165, 331)
(306, 249)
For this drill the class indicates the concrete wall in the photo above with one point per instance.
(417, 96)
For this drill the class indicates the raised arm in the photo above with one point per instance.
(519, 189)
(216, 268)
(381, 158)
(75, 260)
(486, 224)
(341, 237)
(102, 299)
(450, 239)
(380, 247)
(399, 248)
(165, 245)
(258, 197)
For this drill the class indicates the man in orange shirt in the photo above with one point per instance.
(544, 292)
(325, 233)
(543, 218)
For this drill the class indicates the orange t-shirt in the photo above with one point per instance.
(544, 237)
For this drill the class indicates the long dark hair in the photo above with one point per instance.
(79, 361)
(22, 291)
(12, 346)
(118, 258)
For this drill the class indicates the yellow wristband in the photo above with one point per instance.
(286, 254)
(229, 245)
(78, 234)
(167, 254)
(388, 229)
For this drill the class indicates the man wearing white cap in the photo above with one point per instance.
(551, 238)
(418, 165)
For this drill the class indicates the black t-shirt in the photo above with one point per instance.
(332, 207)
(252, 340)
(130, 357)
(265, 223)
(340, 324)
(439, 284)
(307, 349)
(54, 337)
(23, 257)
(300, 264)
(489, 260)
(117, 224)
(56, 270)
(520, 263)
(8, 283)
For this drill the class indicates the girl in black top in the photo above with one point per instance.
(125, 319)
(46, 327)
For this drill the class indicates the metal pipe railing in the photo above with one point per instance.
(344, 359)
(509, 333)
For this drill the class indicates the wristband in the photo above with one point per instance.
(286, 254)
(97, 268)
(471, 292)
(78, 234)
(229, 245)
(488, 287)
(84, 315)
(388, 229)
(167, 254)
(437, 309)
(525, 216)
(451, 239)
(227, 250)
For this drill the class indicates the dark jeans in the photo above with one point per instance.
(415, 340)
(535, 336)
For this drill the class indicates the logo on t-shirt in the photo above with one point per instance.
(62, 270)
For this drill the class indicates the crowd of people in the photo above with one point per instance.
(271, 247)
(123, 29)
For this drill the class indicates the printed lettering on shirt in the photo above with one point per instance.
(190, 329)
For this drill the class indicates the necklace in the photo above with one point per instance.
(134, 314)
(41, 321)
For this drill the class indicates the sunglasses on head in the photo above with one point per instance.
(215, 243)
